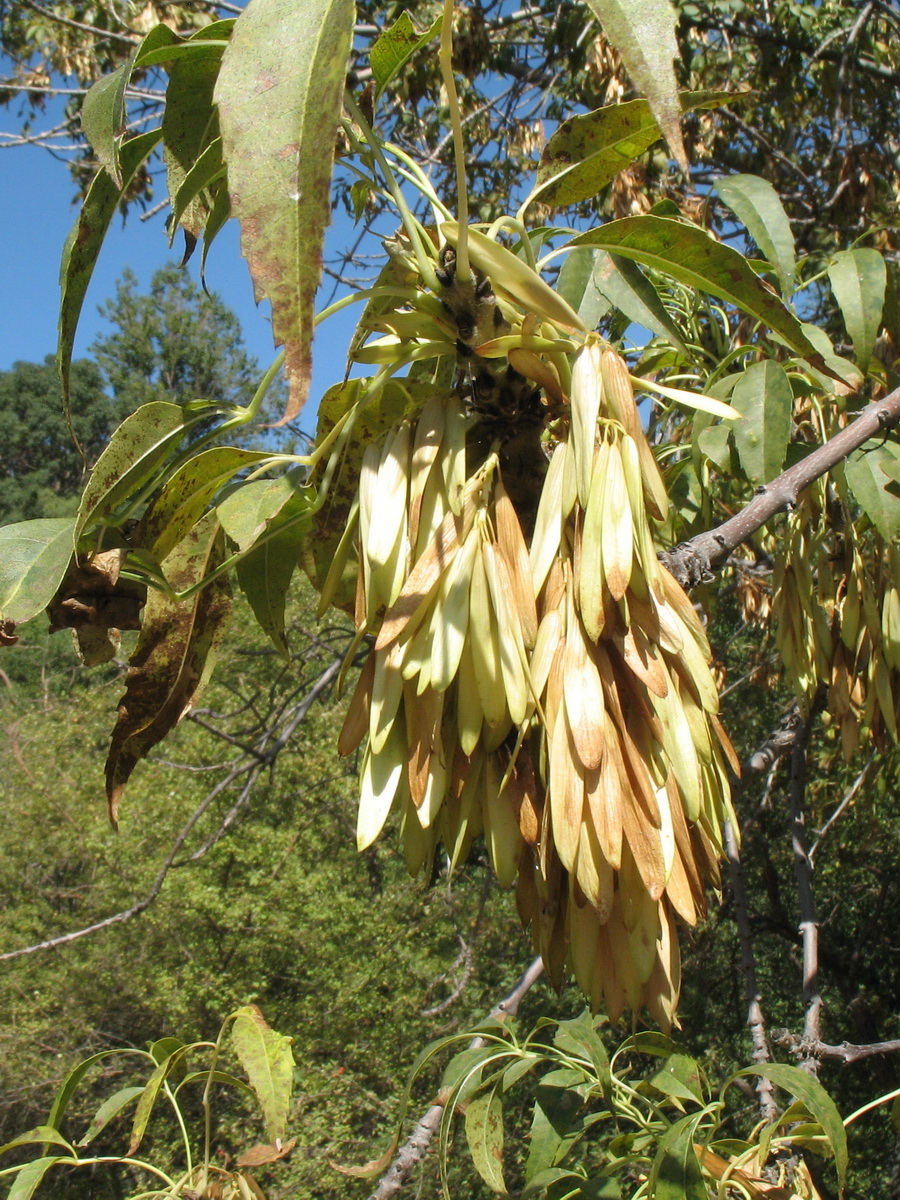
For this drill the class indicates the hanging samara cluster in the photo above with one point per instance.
(536, 676)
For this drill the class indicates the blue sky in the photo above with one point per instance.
(36, 214)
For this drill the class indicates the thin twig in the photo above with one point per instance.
(857, 784)
(809, 926)
(416, 1147)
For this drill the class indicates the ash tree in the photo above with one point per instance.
(580, 430)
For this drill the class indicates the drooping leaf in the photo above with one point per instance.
(484, 1133)
(868, 471)
(177, 49)
(149, 1095)
(840, 368)
(625, 285)
(395, 47)
(679, 1076)
(207, 170)
(190, 126)
(265, 573)
(174, 656)
(86, 237)
(279, 94)
(34, 556)
(110, 1108)
(575, 283)
(555, 1127)
(41, 1135)
(676, 1173)
(858, 279)
(691, 256)
(67, 1088)
(103, 118)
(578, 1036)
(137, 448)
(764, 398)
(643, 32)
(187, 494)
(821, 1106)
(266, 1057)
(218, 215)
(588, 151)
(757, 205)
(249, 508)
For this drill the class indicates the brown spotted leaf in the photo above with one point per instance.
(279, 95)
(174, 656)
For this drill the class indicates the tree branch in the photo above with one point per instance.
(693, 561)
(809, 925)
(416, 1146)
(846, 1052)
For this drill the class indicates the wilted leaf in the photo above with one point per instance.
(137, 448)
(34, 556)
(858, 279)
(266, 1057)
(395, 47)
(588, 151)
(758, 207)
(692, 257)
(643, 32)
(484, 1133)
(257, 1155)
(174, 656)
(279, 94)
(764, 398)
(86, 237)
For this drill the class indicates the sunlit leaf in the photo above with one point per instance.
(643, 32)
(190, 126)
(265, 573)
(691, 256)
(575, 283)
(395, 47)
(149, 1095)
(587, 152)
(266, 1057)
(86, 237)
(679, 1076)
(625, 285)
(174, 655)
(110, 1108)
(188, 493)
(34, 556)
(135, 451)
(758, 207)
(484, 1133)
(29, 1178)
(41, 1135)
(764, 398)
(279, 94)
(858, 279)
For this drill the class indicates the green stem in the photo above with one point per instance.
(516, 226)
(445, 57)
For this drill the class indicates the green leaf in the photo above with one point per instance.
(110, 1108)
(218, 215)
(650, 1042)
(579, 1037)
(207, 170)
(679, 1076)
(543, 1180)
(174, 656)
(86, 237)
(764, 398)
(30, 1176)
(555, 1127)
(103, 118)
(149, 1094)
(625, 285)
(575, 283)
(588, 151)
(66, 1089)
(280, 92)
(217, 1077)
(34, 556)
(868, 472)
(858, 280)
(484, 1133)
(395, 47)
(692, 257)
(40, 1135)
(808, 1089)
(265, 573)
(190, 125)
(758, 207)
(187, 494)
(136, 450)
(266, 1057)
(248, 508)
(643, 32)
(676, 1173)
(839, 368)
(164, 1047)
